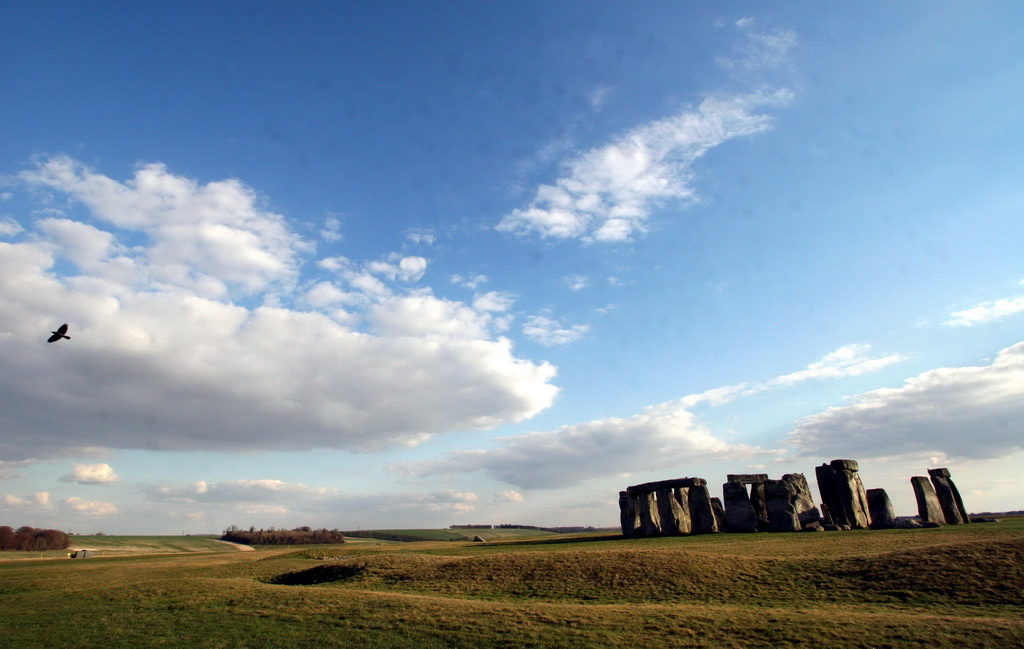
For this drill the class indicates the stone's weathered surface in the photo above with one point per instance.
(757, 499)
(779, 498)
(629, 518)
(843, 493)
(719, 511)
(703, 518)
(825, 518)
(928, 508)
(648, 487)
(747, 478)
(675, 518)
(845, 465)
(739, 513)
(647, 508)
(882, 514)
(949, 497)
(806, 511)
(831, 504)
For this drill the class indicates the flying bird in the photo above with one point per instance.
(57, 335)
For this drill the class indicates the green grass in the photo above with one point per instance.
(107, 546)
(958, 586)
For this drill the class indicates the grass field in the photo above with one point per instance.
(951, 587)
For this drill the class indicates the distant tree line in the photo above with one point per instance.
(297, 536)
(557, 530)
(470, 527)
(31, 539)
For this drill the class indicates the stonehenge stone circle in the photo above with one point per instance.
(751, 502)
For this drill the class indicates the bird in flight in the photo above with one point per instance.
(57, 335)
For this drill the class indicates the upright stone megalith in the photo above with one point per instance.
(666, 507)
(843, 493)
(675, 518)
(882, 514)
(647, 507)
(703, 518)
(739, 513)
(803, 502)
(949, 497)
(928, 508)
(780, 497)
(629, 518)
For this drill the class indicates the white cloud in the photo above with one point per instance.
(331, 232)
(9, 227)
(575, 282)
(271, 497)
(987, 312)
(212, 239)
(89, 507)
(655, 439)
(662, 436)
(549, 332)
(470, 282)
(850, 360)
(91, 474)
(39, 499)
(962, 412)
(421, 238)
(510, 496)
(181, 365)
(760, 50)
(493, 301)
(608, 193)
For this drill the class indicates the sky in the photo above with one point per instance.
(407, 265)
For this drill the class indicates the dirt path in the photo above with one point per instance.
(238, 546)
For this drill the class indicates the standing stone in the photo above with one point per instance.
(843, 492)
(780, 497)
(806, 511)
(719, 510)
(949, 497)
(703, 518)
(757, 500)
(739, 513)
(928, 508)
(882, 514)
(629, 518)
(831, 503)
(647, 508)
(675, 519)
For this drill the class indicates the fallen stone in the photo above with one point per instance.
(479, 539)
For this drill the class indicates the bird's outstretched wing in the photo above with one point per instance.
(59, 333)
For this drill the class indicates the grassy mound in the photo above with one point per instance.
(966, 573)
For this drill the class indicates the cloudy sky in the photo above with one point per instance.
(414, 265)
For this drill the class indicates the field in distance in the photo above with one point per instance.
(955, 586)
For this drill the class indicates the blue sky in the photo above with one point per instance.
(407, 265)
